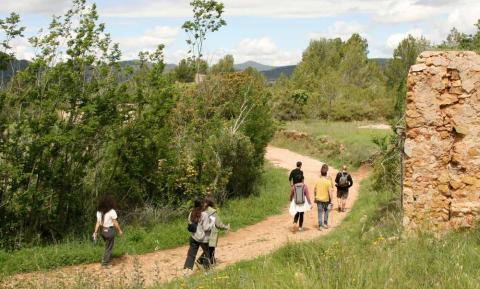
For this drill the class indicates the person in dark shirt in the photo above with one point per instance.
(343, 182)
(296, 175)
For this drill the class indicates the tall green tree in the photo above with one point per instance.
(207, 17)
(10, 29)
(224, 65)
(396, 71)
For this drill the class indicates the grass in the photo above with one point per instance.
(367, 251)
(325, 139)
(237, 212)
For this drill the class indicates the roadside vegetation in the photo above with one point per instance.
(333, 142)
(368, 250)
(75, 125)
(165, 231)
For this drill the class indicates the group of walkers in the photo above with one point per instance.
(204, 223)
(323, 195)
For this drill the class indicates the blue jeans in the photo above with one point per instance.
(322, 209)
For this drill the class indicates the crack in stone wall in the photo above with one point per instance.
(442, 147)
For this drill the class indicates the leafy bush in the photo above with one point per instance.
(75, 129)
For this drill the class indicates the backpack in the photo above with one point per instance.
(343, 181)
(192, 226)
(298, 194)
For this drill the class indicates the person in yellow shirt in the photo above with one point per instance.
(323, 196)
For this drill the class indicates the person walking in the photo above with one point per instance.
(299, 203)
(323, 197)
(343, 182)
(107, 224)
(219, 225)
(199, 225)
(296, 175)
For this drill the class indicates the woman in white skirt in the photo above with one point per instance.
(299, 203)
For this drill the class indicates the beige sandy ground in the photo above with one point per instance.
(243, 244)
(377, 126)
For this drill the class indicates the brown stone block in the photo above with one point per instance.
(455, 90)
(455, 184)
(447, 98)
(469, 180)
(457, 83)
(473, 152)
(454, 74)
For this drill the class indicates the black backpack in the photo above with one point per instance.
(343, 181)
(192, 226)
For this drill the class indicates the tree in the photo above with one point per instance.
(11, 30)
(186, 69)
(461, 41)
(59, 117)
(342, 84)
(207, 17)
(224, 65)
(396, 71)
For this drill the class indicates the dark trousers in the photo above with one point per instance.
(298, 218)
(192, 254)
(212, 256)
(108, 235)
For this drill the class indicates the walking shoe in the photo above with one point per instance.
(300, 229)
(319, 227)
(187, 272)
(325, 226)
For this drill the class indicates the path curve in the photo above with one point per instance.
(244, 244)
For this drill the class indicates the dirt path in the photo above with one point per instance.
(243, 244)
(377, 126)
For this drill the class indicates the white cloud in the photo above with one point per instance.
(22, 49)
(130, 46)
(406, 11)
(384, 11)
(339, 29)
(394, 39)
(34, 6)
(263, 50)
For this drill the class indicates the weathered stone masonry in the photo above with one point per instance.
(442, 146)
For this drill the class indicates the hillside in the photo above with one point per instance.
(275, 73)
(258, 66)
(17, 65)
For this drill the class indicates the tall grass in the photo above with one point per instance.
(367, 251)
(336, 142)
(138, 240)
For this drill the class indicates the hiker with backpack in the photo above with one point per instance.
(299, 203)
(343, 182)
(107, 225)
(296, 175)
(219, 225)
(323, 197)
(200, 225)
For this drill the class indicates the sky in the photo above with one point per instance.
(272, 32)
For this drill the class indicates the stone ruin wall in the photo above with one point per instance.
(442, 146)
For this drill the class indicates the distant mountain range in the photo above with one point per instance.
(270, 72)
(258, 66)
